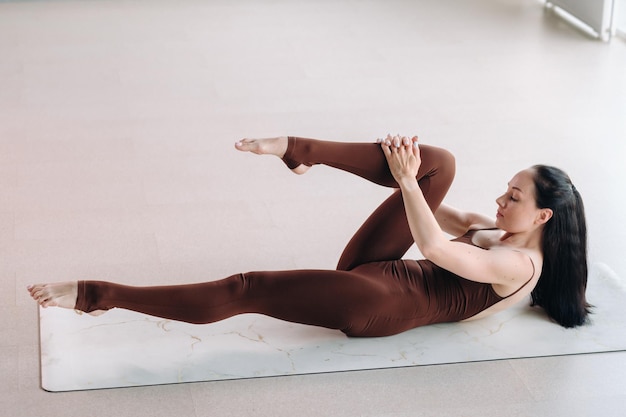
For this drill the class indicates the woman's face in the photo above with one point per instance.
(517, 208)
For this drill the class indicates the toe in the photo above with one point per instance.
(244, 144)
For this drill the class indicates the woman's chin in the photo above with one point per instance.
(500, 224)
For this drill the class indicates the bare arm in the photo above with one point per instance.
(493, 266)
(456, 222)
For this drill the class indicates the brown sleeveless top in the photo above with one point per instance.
(454, 298)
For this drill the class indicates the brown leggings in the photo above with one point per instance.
(363, 297)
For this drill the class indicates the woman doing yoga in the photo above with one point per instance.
(536, 245)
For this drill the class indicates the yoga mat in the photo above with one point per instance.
(123, 349)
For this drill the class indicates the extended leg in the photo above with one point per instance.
(344, 300)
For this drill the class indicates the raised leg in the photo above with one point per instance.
(385, 235)
(363, 159)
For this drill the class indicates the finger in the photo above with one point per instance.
(416, 149)
(396, 141)
(386, 149)
(383, 142)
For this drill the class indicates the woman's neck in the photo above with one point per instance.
(523, 240)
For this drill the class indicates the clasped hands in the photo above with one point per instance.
(403, 157)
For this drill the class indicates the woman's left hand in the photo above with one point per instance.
(403, 157)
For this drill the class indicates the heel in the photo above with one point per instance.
(87, 297)
(288, 156)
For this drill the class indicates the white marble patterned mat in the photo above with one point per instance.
(123, 348)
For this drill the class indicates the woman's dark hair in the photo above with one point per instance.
(563, 281)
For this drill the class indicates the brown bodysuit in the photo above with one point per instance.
(373, 292)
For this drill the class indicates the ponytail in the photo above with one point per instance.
(563, 281)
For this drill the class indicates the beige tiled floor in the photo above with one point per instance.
(117, 120)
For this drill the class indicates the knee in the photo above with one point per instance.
(438, 161)
(447, 162)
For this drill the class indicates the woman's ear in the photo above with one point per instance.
(545, 214)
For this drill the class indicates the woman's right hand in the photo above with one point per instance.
(403, 157)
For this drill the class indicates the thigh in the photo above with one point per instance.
(404, 305)
(326, 298)
(375, 299)
(385, 235)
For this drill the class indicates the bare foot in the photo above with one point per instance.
(270, 146)
(61, 294)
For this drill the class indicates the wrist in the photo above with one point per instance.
(408, 184)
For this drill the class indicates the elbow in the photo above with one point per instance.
(432, 251)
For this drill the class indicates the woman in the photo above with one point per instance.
(536, 245)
